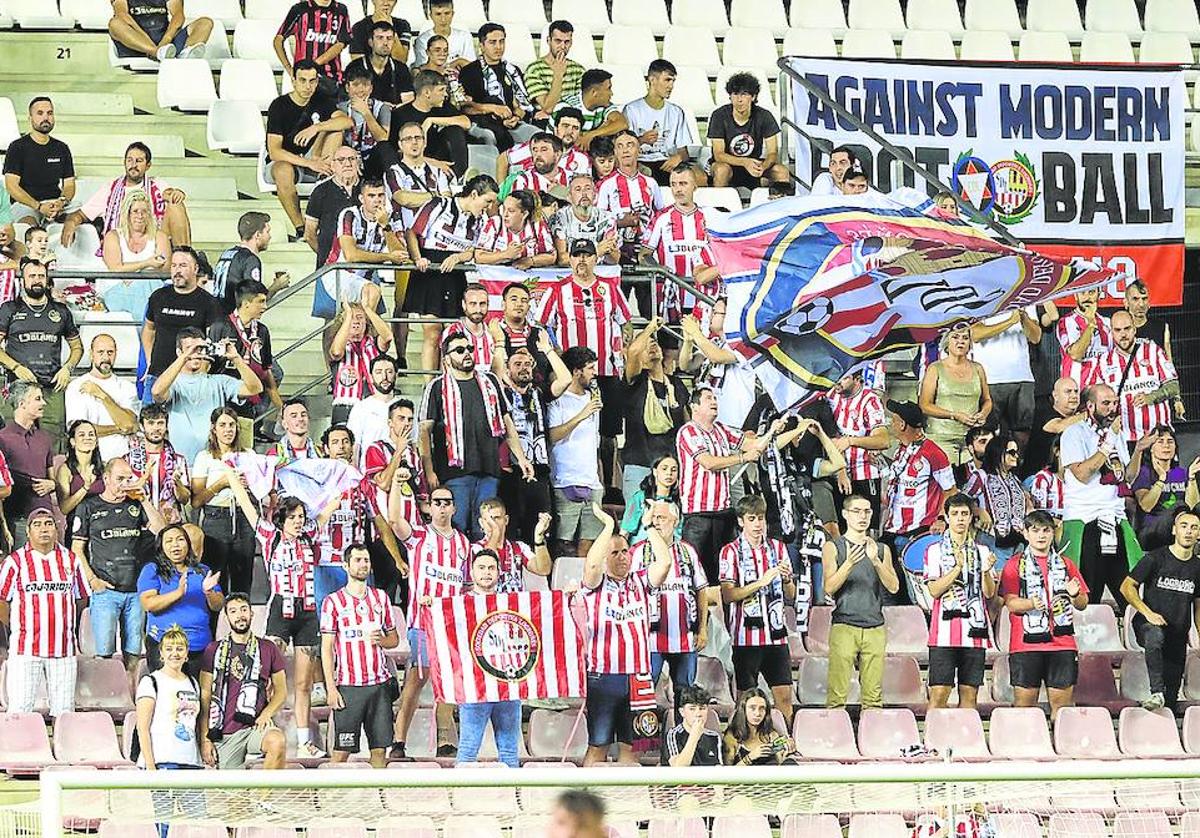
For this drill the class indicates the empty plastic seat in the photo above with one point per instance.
(531, 13)
(987, 15)
(811, 826)
(1016, 825)
(1135, 680)
(24, 745)
(906, 625)
(1141, 825)
(648, 15)
(741, 826)
(228, 12)
(1105, 48)
(824, 735)
(747, 47)
(235, 126)
(878, 826)
(986, 46)
(677, 828)
(958, 731)
(1113, 16)
(1045, 46)
(1020, 733)
(89, 14)
(87, 739)
(931, 45)
(876, 14)
(724, 198)
(199, 829)
(37, 14)
(694, 93)
(336, 828)
(813, 43)
(254, 39)
(1172, 16)
(1166, 48)
(422, 735)
(710, 674)
(555, 735)
(102, 684)
(568, 570)
(764, 13)
(1077, 825)
(885, 734)
(518, 43)
(111, 829)
(1096, 685)
(868, 43)
(590, 13)
(691, 45)
(710, 13)
(820, 618)
(186, 84)
(1085, 733)
(1142, 733)
(419, 826)
(1191, 730)
(1053, 16)
(1189, 825)
(933, 14)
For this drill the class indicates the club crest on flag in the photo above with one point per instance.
(506, 645)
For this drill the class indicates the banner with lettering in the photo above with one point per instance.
(1073, 160)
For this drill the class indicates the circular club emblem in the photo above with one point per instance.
(1016, 189)
(506, 645)
(742, 145)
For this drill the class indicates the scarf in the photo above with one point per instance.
(1036, 624)
(530, 419)
(765, 609)
(251, 350)
(116, 197)
(285, 453)
(452, 414)
(161, 477)
(353, 371)
(304, 543)
(683, 570)
(246, 708)
(964, 599)
(1005, 501)
(512, 81)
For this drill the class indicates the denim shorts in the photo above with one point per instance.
(110, 610)
(418, 654)
(609, 718)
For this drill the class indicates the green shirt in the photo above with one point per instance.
(538, 77)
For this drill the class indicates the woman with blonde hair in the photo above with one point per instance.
(954, 395)
(136, 243)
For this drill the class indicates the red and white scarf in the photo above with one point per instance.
(162, 479)
(116, 197)
(453, 417)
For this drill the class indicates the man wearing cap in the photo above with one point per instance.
(921, 480)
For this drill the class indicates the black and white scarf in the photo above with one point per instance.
(764, 609)
(1057, 616)
(965, 597)
(1005, 499)
(512, 81)
(246, 708)
(684, 570)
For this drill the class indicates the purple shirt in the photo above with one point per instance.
(30, 455)
(272, 662)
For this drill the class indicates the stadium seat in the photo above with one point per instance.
(885, 734)
(929, 45)
(710, 674)
(128, 725)
(535, 581)
(629, 45)
(285, 719)
(1020, 733)
(1045, 46)
(1191, 730)
(199, 829)
(1135, 680)
(555, 734)
(989, 15)
(235, 126)
(186, 84)
(1166, 48)
(1145, 733)
(272, 10)
(694, 93)
(590, 13)
(265, 832)
(824, 735)
(710, 13)
(1077, 825)
(24, 745)
(868, 43)
(741, 826)
(37, 14)
(957, 732)
(422, 734)
(1053, 16)
(813, 43)
(648, 15)
(819, 14)
(228, 12)
(677, 828)
(1105, 48)
(471, 827)
(568, 570)
(876, 14)
(518, 43)
(419, 826)
(768, 14)
(820, 617)
(1172, 16)
(725, 198)
(531, 13)
(112, 829)
(878, 826)
(254, 38)
(92, 15)
(1085, 733)
(1016, 825)
(907, 630)
(336, 828)
(87, 739)
(216, 48)
(1141, 825)
(984, 45)
(408, 800)
(10, 129)
(933, 15)
(1096, 686)
(470, 14)
(748, 47)
(102, 684)
(628, 82)
(1189, 825)
(1113, 16)
(902, 683)
(695, 45)
(810, 826)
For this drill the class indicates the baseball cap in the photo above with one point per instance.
(583, 246)
(40, 512)
(908, 411)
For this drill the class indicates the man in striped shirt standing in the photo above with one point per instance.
(862, 423)
(616, 604)
(356, 626)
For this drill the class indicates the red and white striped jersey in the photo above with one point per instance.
(289, 561)
(1069, 329)
(367, 233)
(702, 490)
(41, 589)
(376, 458)
(349, 523)
(677, 596)
(589, 316)
(535, 181)
(8, 285)
(494, 237)
(618, 631)
(679, 241)
(515, 556)
(572, 162)
(621, 194)
(441, 225)
(351, 620)
(1046, 488)
(483, 346)
(1150, 370)
(858, 415)
(437, 567)
(921, 476)
(765, 556)
(948, 629)
(352, 374)
(402, 177)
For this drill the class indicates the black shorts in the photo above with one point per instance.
(1012, 405)
(1058, 669)
(950, 665)
(612, 404)
(302, 628)
(434, 293)
(368, 708)
(609, 718)
(772, 662)
(744, 180)
(708, 532)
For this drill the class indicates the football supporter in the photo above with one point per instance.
(677, 239)
(381, 10)
(858, 570)
(600, 117)
(544, 170)
(756, 583)
(661, 484)
(1052, 417)
(357, 624)
(708, 449)
(359, 338)
(831, 182)
(329, 197)
(1162, 588)
(296, 443)
(662, 127)
(370, 232)
(388, 84)
(961, 580)
(504, 716)
(135, 243)
(415, 175)
(862, 429)
(518, 236)
(228, 534)
(691, 743)
(554, 77)
(582, 219)
(1046, 487)
(568, 122)
(744, 138)
(655, 406)
(1001, 502)
(39, 172)
(108, 401)
(1096, 461)
(616, 602)
(706, 352)
(461, 44)
(1083, 335)
(573, 422)
(393, 464)
(513, 558)
(79, 475)
(629, 195)
(244, 331)
(171, 309)
(368, 419)
(319, 31)
(1137, 303)
(499, 106)
(954, 394)
(1162, 487)
(1042, 589)
(516, 329)
(243, 262)
(169, 727)
(1141, 372)
(1002, 344)
(443, 125)
(162, 474)
(527, 408)
(921, 479)
(40, 583)
(751, 738)
(242, 687)
(27, 470)
(438, 555)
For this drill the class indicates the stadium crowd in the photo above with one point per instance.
(1037, 467)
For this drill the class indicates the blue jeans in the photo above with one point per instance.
(682, 666)
(328, 579)
(506, 727)
(469, 491)
(189, 803)
(147, 384)
(110, 609)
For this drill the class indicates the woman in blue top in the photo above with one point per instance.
(176, 590)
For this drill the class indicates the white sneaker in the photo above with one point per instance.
(165, 52)
(307, 750)
(196, 51)
(318, 697)
(1154, 702)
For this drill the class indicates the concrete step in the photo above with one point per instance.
(200, 190)
(79, 103)
(242, 172)
(123, 128)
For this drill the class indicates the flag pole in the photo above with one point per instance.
(901, 154)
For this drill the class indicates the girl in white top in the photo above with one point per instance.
(136, 244)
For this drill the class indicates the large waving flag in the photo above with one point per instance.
(817, 286)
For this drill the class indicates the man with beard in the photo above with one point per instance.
(568, 123)
(368, 419)
(162, 473)
(862, 430)
(514, 331)
(545, 153)
(396, 453)
(554, 77)
(39, 172)
(171, 309)
(245, 675)
(106, 400)
(296, 443)
(251, 339)
(1096, 535)
(32, 328)
(463, 418)
(471, 324)
(527, 408)
(1050, 420)
(584, 220)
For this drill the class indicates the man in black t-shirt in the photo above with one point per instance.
(32, 329)
(391, 80)
(744, 138)
(241, 262)
(171, 308)
(360, 33)
(252, 339)
(329, 198)
(39, 172)
(1166, 608)
(303, 129)
(1050, 419)
(445, 126)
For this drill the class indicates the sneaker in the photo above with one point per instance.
(165, 52)
(447, 750)
(397, 754)
(318, 698)
(1154, 702)
(196, 51)
(307, 750)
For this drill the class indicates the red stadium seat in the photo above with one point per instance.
(568, 571)
(414, 827)
(1096, 631)
(741, 826)
(1020, 733)
(811, 826)
(820, 617)
(710, 674)
(1085, 733)
(907, 631)
(128, 726)
(878, 826)
(1077, 825)
(553, 734)
(103, 684)
(1143, 733)
(1096, 686)
(884, 734)
(957, 731)
(825, 734)
(1141, 825)
(1135, 680)
(24, 745)
(85, 738)
(113, 829)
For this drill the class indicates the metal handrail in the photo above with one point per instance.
(80, 273)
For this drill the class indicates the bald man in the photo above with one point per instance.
(1050, 420)
(105, 399)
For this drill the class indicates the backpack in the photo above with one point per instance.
(135, 744)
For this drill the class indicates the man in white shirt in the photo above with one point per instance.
(1002, 348)
(662, 127)
(368, 419)
(460, 42)
(574, 422)
(104, 399)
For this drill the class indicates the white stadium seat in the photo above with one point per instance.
(412, 11)
(470, 14)
(765, 98)
(248, 80)
(255, 39)
(1166, 48)
(819, 14)
(356, 11)
(983, 45)
(868, 43)
(229, 12)
(629, 45)
(530, 13)
(236, 126)
(933, 14)
(1172, 16)
(765, 13)
(710, 13)
(752, 48)
(216, 49)
(1106, 47)
(518, 43)
(89, 14)
(272, 10)
(987, 15)
(583, 44)
(694, 93)
(648, 14)
(628, 82)
(590, 13)
(814, 43)
(1113, 16)
(37, 14)
(187, 84)
(1045, 46)
(10, 129)
(927, 44)
(876, 14)
(1054, 16)
(695, 45)
(719, 197)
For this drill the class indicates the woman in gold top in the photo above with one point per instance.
(954, 394)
